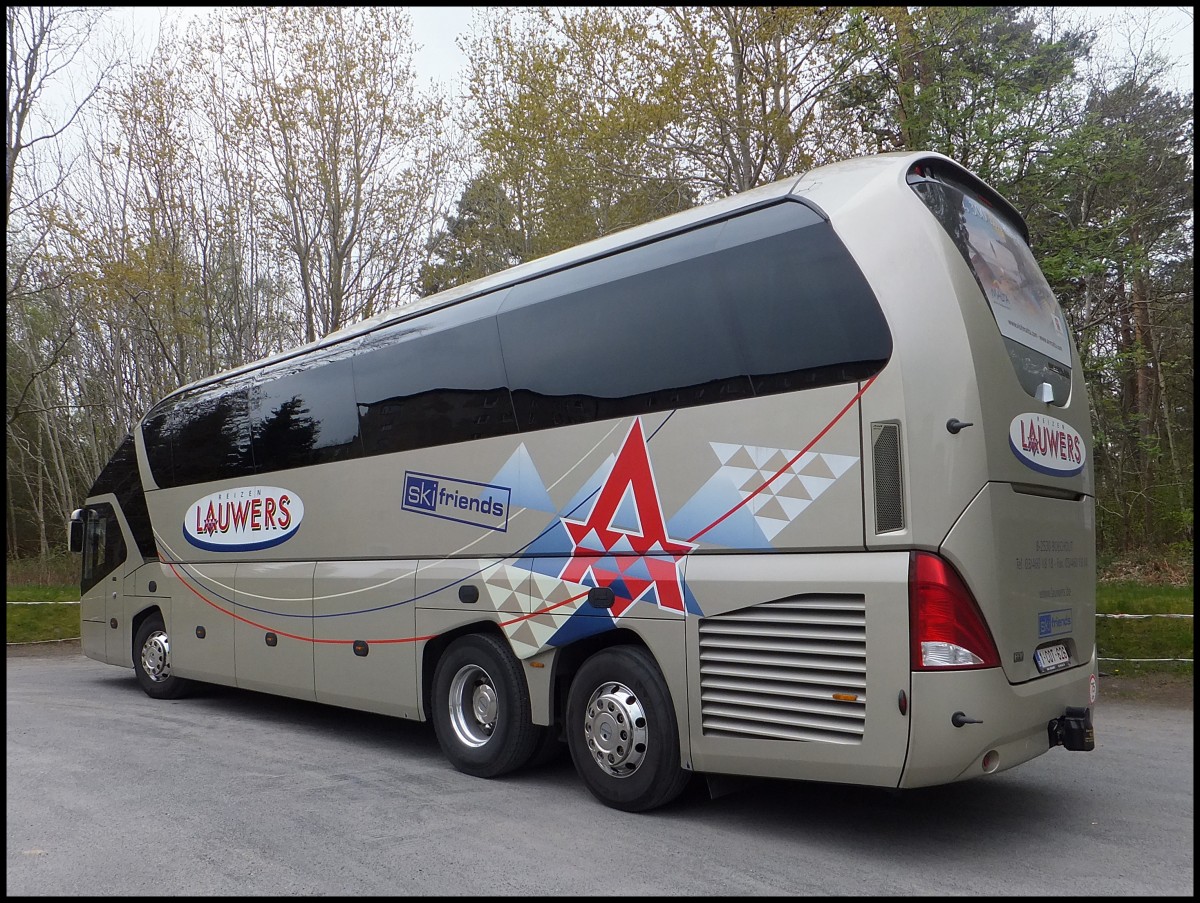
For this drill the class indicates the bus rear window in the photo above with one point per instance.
(1020, 298)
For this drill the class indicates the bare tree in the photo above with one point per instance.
(348, 149)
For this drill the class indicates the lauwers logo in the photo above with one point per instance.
(1046, 444)
(243, 519)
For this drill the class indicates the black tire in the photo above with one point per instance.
(152, 661)
(622, 732)
(481, 711)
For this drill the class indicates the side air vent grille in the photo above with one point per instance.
(889, 491)
(792, 669)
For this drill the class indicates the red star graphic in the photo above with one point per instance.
(619, 557)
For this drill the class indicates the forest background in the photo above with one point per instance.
(267, 175)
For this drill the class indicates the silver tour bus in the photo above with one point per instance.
(796, 484)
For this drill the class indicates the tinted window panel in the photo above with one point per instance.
(156, 436)
(637, 332)
(302, 412)
(122, 478)
(435, 380)
(208, 434)
(800, 307)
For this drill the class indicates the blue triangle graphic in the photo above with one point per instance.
(625, 518)
(521, 476)
(579, 626)
(620, 590)
(582, 498)
(636, 567)
(554, 542)
(622, 544)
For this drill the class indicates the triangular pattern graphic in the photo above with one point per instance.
(742, 458)
(771, 508)
(815, 485)
(724, 450)
(522, 635)
(816, 467)
(792, 506)
(790, 489)
(507, 588)
(839, 464)
(770, 526)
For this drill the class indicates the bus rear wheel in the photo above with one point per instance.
(152, 661)
(622, 732)
(481, 709)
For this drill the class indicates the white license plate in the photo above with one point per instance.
(1051, 658)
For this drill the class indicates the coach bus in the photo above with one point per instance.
(796, 484)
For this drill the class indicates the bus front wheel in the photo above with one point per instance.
(622, 732)
(152, 661)
(481, 710)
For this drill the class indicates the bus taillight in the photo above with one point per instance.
(947, 629)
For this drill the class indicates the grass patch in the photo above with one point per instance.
(28, 593)
(1149, 638)
(1130, 598)
(41, 623)
(1145, 669)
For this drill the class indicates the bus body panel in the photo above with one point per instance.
(108, 559)
(367, 602)
(144, 589)
(796, 665)
(201, 622)
(1014, 718)
(1031, 561)
(273, 633)
(738, 463)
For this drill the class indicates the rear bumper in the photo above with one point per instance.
(1012, 720)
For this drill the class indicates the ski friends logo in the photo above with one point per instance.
(463, 501)
(243, 519)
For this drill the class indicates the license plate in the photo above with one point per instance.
(1051, 658)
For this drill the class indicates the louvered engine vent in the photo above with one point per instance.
(792, 669)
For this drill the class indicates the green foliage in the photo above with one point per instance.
(1133, 598)
(1151, 638)
(482, 239)
(54, 594)
(42, 623)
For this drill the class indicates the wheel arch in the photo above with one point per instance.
(434, 648)
(135, 624)
(570, 658)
